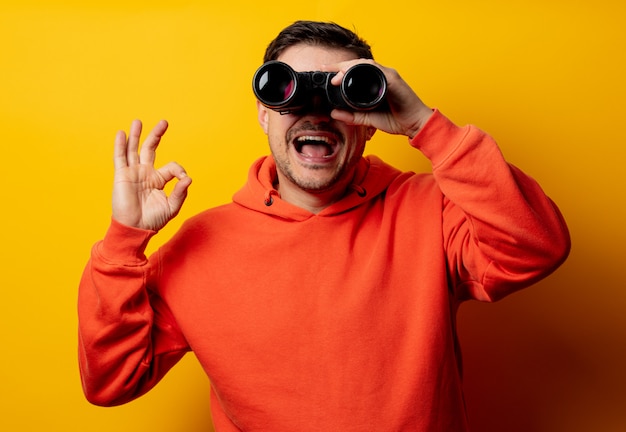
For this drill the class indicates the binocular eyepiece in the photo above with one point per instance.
(278, 87)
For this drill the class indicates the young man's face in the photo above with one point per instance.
(313, 152)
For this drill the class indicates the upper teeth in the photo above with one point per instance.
(314, 138)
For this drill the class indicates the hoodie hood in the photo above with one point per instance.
(372, 178)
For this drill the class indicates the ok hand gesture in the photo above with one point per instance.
(138, 196)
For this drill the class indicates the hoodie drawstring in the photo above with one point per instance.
(268, 200)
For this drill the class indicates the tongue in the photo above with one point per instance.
(316, 150)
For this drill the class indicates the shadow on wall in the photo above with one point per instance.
(549, 358)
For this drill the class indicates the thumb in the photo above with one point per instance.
(372, 119)
(179, 194)
(347, 117)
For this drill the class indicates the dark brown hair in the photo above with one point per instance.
(325, 34)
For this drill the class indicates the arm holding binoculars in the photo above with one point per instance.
(406, 115)
(138, 197)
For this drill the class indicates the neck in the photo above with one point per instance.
(313, 202)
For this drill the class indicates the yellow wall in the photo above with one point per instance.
(546, 78)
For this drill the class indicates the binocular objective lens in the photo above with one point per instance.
(364, 86)
(275, 85)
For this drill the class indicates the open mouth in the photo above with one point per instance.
(315, 147)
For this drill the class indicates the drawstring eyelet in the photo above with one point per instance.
(269, 197)
(360, 191)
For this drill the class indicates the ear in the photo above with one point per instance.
(262, 116)
(371, 130)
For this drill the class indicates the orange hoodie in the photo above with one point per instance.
(340, 321)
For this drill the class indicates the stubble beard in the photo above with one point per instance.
(311, 185)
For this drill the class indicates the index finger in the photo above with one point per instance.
(147, 154)
(120, 159)
(342, 67)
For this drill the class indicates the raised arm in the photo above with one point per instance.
(127, 336)
(501, 231)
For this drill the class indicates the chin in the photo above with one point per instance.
(317, 184)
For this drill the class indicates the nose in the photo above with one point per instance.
(319, 106)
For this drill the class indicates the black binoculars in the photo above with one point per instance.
(278, 87)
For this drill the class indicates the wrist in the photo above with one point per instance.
(123, 243)
(421, 118)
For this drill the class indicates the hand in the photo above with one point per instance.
(407, 113)
(138, 197)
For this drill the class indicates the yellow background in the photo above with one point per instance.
(545, 78)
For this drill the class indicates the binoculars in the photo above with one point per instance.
(278, 87)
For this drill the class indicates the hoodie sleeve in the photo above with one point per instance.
(128, 339)
(501, 232)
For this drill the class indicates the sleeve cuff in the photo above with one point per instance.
(124, 244)
(438, 138)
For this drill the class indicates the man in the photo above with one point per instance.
(324, 296)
